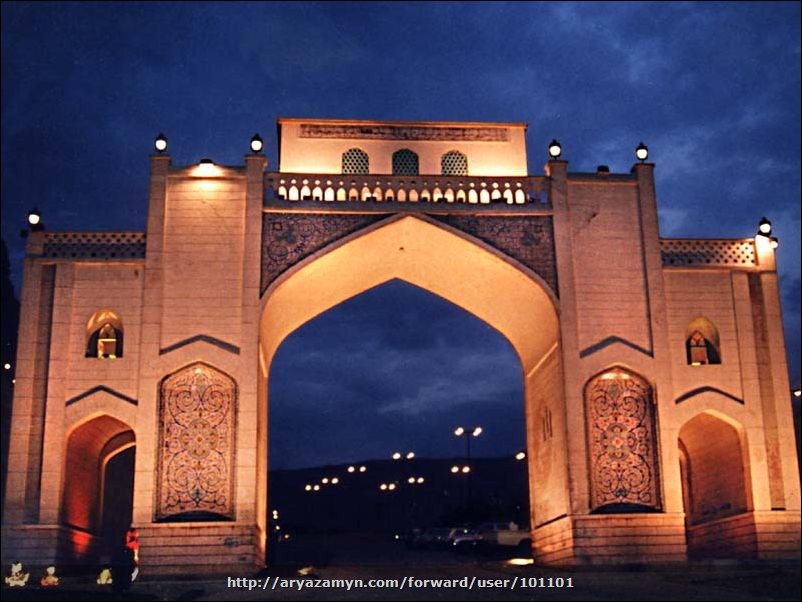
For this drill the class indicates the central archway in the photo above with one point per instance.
(461, 269)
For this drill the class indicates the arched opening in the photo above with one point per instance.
(97, 500)
(454, 163)
(715, 488)
(519, 306)
(394, 369)
(702, 345)
(405, 163)
(355, 161)
(104, 335)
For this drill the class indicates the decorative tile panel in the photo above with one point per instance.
(528, 239)
(197, 427)
(289, 238)
(622, 441)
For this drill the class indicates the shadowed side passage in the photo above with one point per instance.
(457, 269)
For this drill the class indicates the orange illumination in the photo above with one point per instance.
(206, 169)
(520, 561)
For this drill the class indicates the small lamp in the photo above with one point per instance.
(642, 152)
(160, 144)
(764, 227)
(257, 144)
(555, 150)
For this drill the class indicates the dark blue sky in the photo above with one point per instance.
(713, 89)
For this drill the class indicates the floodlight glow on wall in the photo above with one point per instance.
(206, 168)
(642, 152)
(160, 144)
(257, 144)
(764, 227)
(555, 150)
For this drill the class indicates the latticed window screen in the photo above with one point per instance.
(405, 163)
(454, 163)
(355, 160)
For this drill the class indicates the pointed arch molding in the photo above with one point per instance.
(699, 390)
(289, 238)
(99, 389)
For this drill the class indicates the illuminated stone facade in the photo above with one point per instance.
(656, 393)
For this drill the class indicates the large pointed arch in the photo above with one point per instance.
(449, 264)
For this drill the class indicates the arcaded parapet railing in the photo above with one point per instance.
(711, 252)
(94, 245)
(477, 190)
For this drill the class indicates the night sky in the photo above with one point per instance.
(712, 89)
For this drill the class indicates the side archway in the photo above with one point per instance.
(91, 445)
(715, 487)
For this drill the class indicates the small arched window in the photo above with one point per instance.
(355, 161)
(104, 335)
(454, 163)
(702, 345)
(405, 163)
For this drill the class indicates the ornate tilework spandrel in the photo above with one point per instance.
(528, 239)
(621, 441)
(197, 413)
(289, 238)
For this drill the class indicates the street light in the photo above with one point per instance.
(351, 469)
(797, 393)
(397, 456)
(363, 468)
(520, 455)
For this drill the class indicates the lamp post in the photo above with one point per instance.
(462, 432)
(402, 476)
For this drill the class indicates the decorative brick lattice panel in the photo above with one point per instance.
(621, 441)
(734, 253)
(394, 132)
(405, 163)
(94, 245)
(197, 413)
(528, 239)
(454, 163)
(290, 238)
(355, 161)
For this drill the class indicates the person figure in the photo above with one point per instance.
(49, 579)
(16, 577)
(132, 542)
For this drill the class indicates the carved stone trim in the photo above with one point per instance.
(398, 132)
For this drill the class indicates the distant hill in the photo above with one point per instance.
(496, 490)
